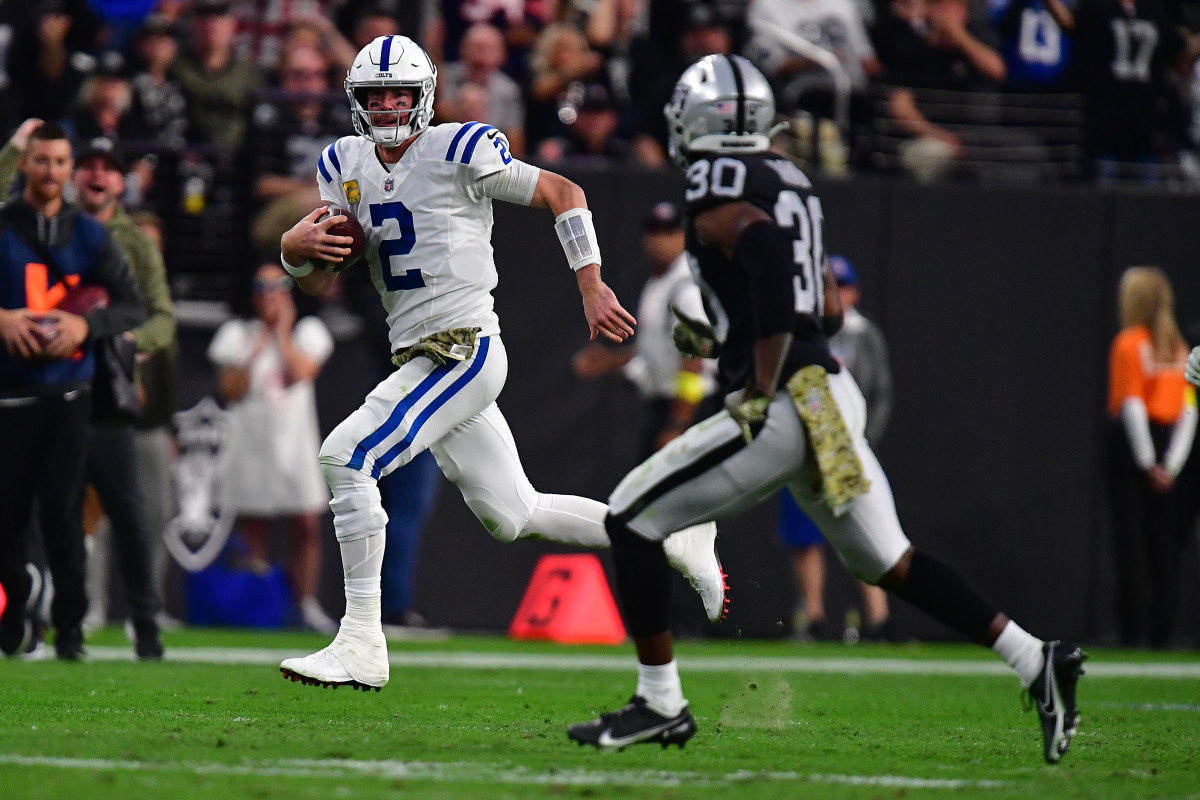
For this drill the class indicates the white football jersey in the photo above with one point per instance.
(429, 231)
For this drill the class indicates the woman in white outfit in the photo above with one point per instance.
(267, 366)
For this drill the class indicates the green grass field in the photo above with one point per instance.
(484, 717)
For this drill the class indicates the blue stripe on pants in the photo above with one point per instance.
(390, 456)
(393, 421)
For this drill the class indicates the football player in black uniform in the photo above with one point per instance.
(793, 418)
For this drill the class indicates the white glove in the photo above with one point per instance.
(1192, 373)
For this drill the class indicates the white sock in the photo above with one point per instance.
(659, 686)
(568, 519)
(362, 564)
(1021, 651)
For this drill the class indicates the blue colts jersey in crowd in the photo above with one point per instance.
(1037, 52)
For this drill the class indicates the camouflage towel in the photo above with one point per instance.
(456, 344)
(840, 470)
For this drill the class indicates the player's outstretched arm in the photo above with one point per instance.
(309, 239)
(573, 223)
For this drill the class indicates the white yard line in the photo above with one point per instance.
(625, 662)
(472, 772)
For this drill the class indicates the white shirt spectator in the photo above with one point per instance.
(833, 25)
(505, 107)
(656, 364)
(269, 463)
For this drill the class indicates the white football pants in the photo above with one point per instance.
(450, 410)
(710, 472)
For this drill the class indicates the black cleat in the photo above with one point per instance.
(68, 644)
(1053, 693)
(294, 676)
(15, 629)
(147, 643)
(636, 723)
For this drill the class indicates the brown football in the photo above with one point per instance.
(352, 228)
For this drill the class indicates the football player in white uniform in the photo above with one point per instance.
(423, 195)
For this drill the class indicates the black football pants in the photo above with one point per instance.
(45, 440)
(112, 472)
(1147, 534)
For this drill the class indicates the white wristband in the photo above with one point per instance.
(296, 272)
(578, 237)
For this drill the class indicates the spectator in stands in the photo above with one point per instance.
(18, 26)
(216, 82)
(924, 46)
(615, 30)
(703, 32)
(104, 103)
(1125, 51)
(562, 61)
(263, 26)
(670, 20)
(562, 65)
(266, 368)
(158, 115)
(287, 135)
(46, 367)
(1153, 413)
(801, 84)
(112, 468)
(590, 126)
(483, 54)
(521, 21)
(859, 346)
(121, 20)
(832, 25)
(374, 21)
(1037, 53)
(318, 31)
(60, 65)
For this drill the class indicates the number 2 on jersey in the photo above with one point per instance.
(406, 279)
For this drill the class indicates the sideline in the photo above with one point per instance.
(693, 663)
(473, 772)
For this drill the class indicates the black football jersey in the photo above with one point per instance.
(779, 188)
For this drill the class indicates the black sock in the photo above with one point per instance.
(943, 593)
(643, 580)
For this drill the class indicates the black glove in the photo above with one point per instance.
(694, 337)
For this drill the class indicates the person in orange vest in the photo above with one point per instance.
(1153, 414)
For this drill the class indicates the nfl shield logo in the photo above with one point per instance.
(389, 184)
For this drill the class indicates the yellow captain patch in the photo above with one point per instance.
(352, 193)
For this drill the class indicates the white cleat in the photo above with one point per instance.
(357, 658)
(693, 551)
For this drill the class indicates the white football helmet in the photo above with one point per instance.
(400, 63)
(720, 104)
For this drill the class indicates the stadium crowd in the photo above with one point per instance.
(1088, 87)
(221, 107)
